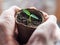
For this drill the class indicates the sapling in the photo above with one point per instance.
(27, 12)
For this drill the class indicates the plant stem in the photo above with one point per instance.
(30, 19)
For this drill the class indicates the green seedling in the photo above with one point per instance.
(29, 14)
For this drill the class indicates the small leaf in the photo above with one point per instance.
(33, 16)
(26, 11)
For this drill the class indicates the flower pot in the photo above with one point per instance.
(24, 30)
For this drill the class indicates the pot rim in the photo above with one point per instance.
(30, 26)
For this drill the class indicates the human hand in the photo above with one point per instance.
(7, 26)
(46, 33)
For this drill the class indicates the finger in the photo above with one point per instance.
(32, 8)
(45, 15)
(48, 26)
(14, 9)
(11, 11)
(52, 18)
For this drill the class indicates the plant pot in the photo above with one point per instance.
(25, 31)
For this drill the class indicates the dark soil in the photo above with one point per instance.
(23, 18)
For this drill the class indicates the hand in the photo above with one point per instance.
(46, 33)
(7, 26)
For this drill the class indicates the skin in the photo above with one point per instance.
(45, 34)
(7, 26)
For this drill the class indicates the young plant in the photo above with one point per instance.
(30, 15)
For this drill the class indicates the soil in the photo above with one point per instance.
(23, 18)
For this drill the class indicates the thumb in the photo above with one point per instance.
(52, 19)
(48, 26)
(11, 11)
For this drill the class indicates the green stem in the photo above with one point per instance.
(30, 19)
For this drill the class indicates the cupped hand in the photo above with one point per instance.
(46, 33)
(7, 26)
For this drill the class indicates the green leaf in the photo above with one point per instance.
(26, 11)
(33, 16)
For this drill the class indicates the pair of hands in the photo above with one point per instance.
(45, 34)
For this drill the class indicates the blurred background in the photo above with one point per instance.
(52, 7)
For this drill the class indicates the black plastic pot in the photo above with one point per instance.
(26, 31)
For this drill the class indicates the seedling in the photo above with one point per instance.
(30, 15)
